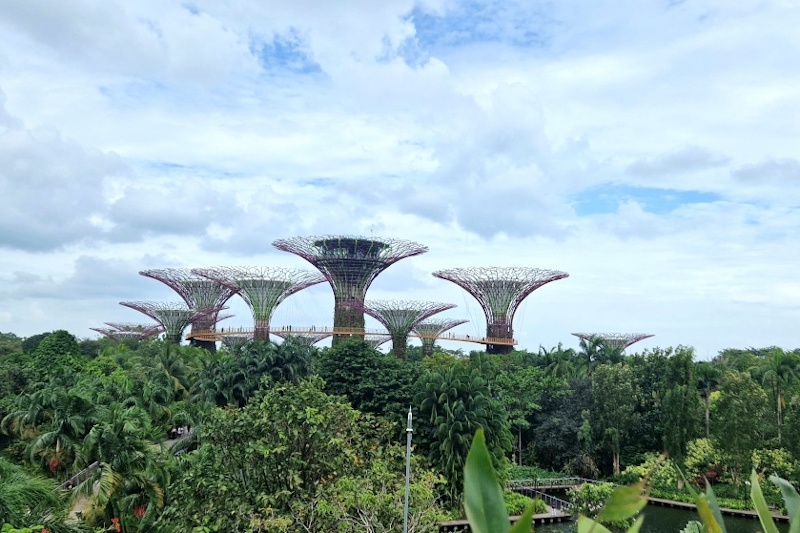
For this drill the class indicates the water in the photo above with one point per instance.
(670, 520)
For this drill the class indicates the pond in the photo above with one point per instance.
(670, 520)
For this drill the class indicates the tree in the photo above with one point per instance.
(373, 382)
(708, 378)
(738, 426)
(131, 478)
(256, 463)
(681, 404)
(778, 371)
(614, 399)
(453, 404)
(26, 500)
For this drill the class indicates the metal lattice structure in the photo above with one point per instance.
(615, 340)
(198, 292)
(376, 340)
(262, 289)
(174, 317)
(305, 338)
(234, 342)
(400, 317)
(129, 332)
(500, 291)
(350, 264)
(430, 330)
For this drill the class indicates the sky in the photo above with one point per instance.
(649, 148)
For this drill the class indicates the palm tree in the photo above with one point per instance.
(779, 370)
(708, 379)
(26, 500)
(129, 483)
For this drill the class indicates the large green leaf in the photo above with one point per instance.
(711, 499)
(708, 515)
(761, 505)
(790, 495)
(483, 499)
(624, 503)
(525, 522)
(587, 525)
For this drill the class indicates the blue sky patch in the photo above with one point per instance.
(475, 22)
(285, 53)
(607, 198)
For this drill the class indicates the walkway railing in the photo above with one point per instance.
(553, 483)
(556, 505)
(79, 478)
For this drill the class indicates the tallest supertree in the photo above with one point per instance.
(500, 291)
(350, 264)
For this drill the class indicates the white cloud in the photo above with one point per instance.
(151, 134)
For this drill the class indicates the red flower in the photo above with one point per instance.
(139, 511)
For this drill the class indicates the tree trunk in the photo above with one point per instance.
(708, 417)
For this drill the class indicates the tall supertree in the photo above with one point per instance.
(350, 264)
(262, 289)
(400, 317)
(500, 290)
(615, 341)
(206, 295)
(173, 316)
(129, 332)
(432, 329)
(305, 338)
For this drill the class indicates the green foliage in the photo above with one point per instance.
(453, 405)
(532, 472)
(738, 426)
(483, 498)
(614, 399)
(659, 472)
(516, 504)
(262, 461)
(681, 405)
(58, 356)
(373, 382)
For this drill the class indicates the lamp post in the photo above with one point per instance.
(409, 431)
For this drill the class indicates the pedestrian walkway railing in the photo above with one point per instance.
(79, 478)
(556, 505)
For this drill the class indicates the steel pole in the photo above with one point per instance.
(409, 431)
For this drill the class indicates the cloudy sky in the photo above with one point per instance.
(649, 148)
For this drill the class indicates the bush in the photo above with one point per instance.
(532, 472)
(517, 503)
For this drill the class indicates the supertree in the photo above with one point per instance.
(206, 295)
(262, 289)
(234, 342)
(305, 338)
(350, 264)
(432, 329)
(500, 290)
(615, 341)
(400, 317)
(173, 316)
(376, 340)
(129, 332)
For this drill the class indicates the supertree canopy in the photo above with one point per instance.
(400, 317)
(234, 342)
(350, 264)
(173, 316)
(500, 290)
(376, 340)
(205, 295)
(305, 338)
(262, 289)
(430, 330)
(614, 340)
(129, 332)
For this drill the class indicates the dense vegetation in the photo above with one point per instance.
(290, 438)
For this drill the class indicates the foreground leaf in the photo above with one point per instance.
(764, 513)
(483, 499)
(789, 494)
(624, 503)
(587, 525)
(708, 514)
(525, 522)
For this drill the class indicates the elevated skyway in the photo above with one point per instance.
(216, 335)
